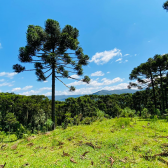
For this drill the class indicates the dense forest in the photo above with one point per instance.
(21, 114)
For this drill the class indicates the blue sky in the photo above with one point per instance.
(117, 35)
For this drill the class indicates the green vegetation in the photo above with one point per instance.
(130, 144)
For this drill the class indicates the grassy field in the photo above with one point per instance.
(110, 143)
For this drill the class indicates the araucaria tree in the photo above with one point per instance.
(165, 5)
(53, 51)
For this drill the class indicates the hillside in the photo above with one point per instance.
(114, 142)
(109, 92)
(102, 92)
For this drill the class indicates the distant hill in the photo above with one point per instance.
(102, 92)
(109, 92)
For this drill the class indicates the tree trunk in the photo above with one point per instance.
(166, 97)
(161, 79)
(27, 118)
(53, 95)
(153, 88)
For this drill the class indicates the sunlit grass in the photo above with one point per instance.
(125, 142)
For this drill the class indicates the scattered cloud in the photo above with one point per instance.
(116, 87)
(35, 92)
(135, 55)
(45, 88)
(27, 87)
(6, 84)
(31, 92)
(8, 74)
(0, 45)
(1, 80)
(120, 59)
(19, 89)
(126, 60)
(149, 41)
(74, 76)
(105, 81)
(98, 73)
(126, 54)
(45, 81)
(105, 56)
(89, 90)
(16, 89)
(108, 72)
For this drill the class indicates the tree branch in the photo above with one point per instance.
(62, 82)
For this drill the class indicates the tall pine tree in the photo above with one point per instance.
(53, 51)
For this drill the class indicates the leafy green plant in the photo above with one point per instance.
(87, 120)
(145, 113)
(48, 124)
(100, 114)
(122, 122)
(10, 120)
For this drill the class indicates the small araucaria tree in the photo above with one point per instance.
(53, 52)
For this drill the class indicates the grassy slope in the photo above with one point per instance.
(124, 145)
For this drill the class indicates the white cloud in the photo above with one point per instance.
(108, 72)
(149, 41)
(35, 92)
(8, 74)
(45, 88)
(120, 59)
(74, 76)
(27, 87)
(89, 90)
(45, 81)
(6, 84)
(0, 45)
(105, 56)
(117, 87)
(2, 80)
(135, 55)
(81, 91)
(16, 89)
(126, 54)
(105, 81)
(31, 92)
(98, 73)
(126, 60)
(109, 82)
(19, 89)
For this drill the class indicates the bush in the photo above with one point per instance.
(100, 114)
(145, 113)
(20, 131)
(127, 112)
(122, 122)
(87, 120)
(155, 118)
(64, 124)
(48, 124)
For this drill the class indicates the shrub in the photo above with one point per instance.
(145, 113)
(122, 122)
(20, 131)
(64, 124)
(87, 120)
(100, 114)
(127, 112)
(48, 124)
